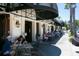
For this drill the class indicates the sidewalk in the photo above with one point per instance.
(49, 50)
(62, 47)
(67, 48)
(46, 49)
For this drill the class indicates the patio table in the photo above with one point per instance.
(24, 50)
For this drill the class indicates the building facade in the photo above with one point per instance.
(27, 21)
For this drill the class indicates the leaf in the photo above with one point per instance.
(67, 5)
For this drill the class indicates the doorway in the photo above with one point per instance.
(37, 28)
(4, 24)
(52, 28)
(28, 30)
(37, 31)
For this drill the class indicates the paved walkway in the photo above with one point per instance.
(61, 47)
(49, 50)
(67, 48)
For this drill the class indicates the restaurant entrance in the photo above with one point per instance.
(28, 30)
(4, 24)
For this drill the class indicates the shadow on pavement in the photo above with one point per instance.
(75, 43)
(55, 39)
(77, 51)
(48, 50)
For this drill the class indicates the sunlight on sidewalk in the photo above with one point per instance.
(67, 48)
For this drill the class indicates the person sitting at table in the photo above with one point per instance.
(24, 41)
(6, 49)
(18, 46)
(45, 37)
(49, 36)
(19, 40)
(1, 45)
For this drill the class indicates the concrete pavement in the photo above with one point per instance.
(61, 47)
(67, 48)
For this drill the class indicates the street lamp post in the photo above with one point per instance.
(73, 6)
(71, 20)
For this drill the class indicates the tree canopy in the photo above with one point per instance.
(77, 22)
(67, 5)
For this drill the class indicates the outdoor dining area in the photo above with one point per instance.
(42, 47)
(21, 47)
(16, 47)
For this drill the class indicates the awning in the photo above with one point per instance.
(58, 22)
(15, 6)
(43, 10)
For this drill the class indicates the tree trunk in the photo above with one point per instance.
(71, 25)
(74, 27)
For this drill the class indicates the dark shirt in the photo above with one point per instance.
(7, 46)
(1, 44)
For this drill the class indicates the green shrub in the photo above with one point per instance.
(70, 34)
(70, 39)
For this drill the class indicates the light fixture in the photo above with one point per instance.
(17, 24)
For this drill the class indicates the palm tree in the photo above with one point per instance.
(71, 6)
(68, 6)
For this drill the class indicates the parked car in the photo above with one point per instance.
(77, 33)
(76, 39)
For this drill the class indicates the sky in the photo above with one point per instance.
(65, 14)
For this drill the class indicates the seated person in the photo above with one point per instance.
(45, 36)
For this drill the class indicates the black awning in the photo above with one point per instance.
(45, 10)
(58, 23)
(15, 6)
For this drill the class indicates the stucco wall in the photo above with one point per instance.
(34, 31)
(16, 31)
